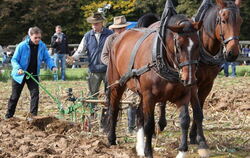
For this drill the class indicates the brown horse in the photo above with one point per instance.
(181, 54)
(220, 31)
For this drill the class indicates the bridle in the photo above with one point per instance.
(177, 49)
(224, 41)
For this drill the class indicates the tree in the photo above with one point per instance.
(118, 7)
(18, 15)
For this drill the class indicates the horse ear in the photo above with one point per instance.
(175, 29)
(221, 3)
(197, 25)
(237, 3)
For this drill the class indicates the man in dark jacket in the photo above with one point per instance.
(92, 44)
(59, 42)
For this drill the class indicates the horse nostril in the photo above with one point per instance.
(231, 57)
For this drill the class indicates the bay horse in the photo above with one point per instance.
(219, 39)
(181, 53)
(220, 31)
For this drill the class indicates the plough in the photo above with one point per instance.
(78, 105)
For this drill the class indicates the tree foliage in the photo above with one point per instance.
(118, 7)
(16, 16)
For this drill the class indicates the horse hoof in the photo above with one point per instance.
(204, 153)
(181, 154)
(140, 152)
(193, 141)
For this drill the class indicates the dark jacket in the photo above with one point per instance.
(94, 50)
(60, 47)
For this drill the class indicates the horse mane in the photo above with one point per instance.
(147, 19)
(210, 19)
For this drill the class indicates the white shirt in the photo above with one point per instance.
(81, 50)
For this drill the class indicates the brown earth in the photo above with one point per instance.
(226, 124)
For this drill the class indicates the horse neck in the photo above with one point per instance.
(211, 44)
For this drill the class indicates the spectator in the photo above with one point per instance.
(226, 67)
(92, 44)
(30, 48)
(59, 42)
(118, 27)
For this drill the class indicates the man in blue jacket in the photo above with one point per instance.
(92, 43)
(28, 56)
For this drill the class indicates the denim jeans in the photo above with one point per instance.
(62, 59)
(233, 66)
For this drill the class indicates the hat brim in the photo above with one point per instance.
(94, 21)
(118, 26)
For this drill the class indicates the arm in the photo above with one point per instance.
(80, 50)
(48, 60)
(106, 51)
(54, 44)
(16, 58)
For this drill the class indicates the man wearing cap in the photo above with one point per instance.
(119, 25)
(92, 44)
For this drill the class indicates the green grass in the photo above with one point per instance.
(81, 73)
(241, 70)
(71, 74)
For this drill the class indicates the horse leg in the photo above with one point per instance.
(140, 144)
(146, 126)
(198, 119)
(184, 122)
(149, 123)
(162, 119)
(115, 97)
(195, 102)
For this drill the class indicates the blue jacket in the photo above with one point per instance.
(94, 50)
(20, 59)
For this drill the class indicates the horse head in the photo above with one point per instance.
(184, 47)
(227, 31)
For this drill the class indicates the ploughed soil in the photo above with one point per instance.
(226, 126)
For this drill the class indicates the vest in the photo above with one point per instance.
(94, 50)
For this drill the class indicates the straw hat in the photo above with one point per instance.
(119, 22)
(95, 18)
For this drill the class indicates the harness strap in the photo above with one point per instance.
(136, 72)
(136, 47)
(188, 63)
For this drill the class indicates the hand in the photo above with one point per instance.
(54, 70)
(20, 72)
(70, 60)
